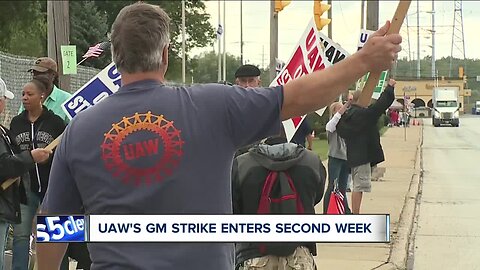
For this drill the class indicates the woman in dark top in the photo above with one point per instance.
(35, 127)
(13, 165)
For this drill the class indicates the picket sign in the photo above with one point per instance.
(334, 54)
(105, 83)
(333, 51)
(364, 34)
(395, 26)
(306, 58)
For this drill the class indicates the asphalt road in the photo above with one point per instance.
(447, 235)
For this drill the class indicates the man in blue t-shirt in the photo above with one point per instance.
(154, 149)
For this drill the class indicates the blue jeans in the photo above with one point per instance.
(22, 232)
(3, 241)
(337, 169)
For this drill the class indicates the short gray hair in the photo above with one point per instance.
(139, 34)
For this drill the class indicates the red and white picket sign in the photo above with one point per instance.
(307, 57)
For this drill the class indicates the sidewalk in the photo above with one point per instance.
(393, 194)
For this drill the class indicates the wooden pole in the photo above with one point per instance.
(330, 27)
(395, 26)
(273, 40)
(58, 23)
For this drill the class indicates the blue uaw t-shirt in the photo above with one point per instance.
(153, 149)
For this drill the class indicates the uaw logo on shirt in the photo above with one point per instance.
(143, 148)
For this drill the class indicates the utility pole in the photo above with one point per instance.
(241, 32)
(458, 38)
(219, 44)
(418, 38)
(183, 42)
(433, 39)
(224, 44)
(273, 40)
(372, 15)
(58, 24)
(362, 17)
(263, 56)
(330, 17)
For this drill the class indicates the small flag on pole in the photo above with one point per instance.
(97, 50)
(219, 31)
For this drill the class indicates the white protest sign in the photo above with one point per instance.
(333, 51)
(279, 66)
(307, 57)
(105, 83)
(364, 33)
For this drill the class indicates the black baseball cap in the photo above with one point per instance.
(247, 71)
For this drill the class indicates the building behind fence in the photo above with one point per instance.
(13, 70)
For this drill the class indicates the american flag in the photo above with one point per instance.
(335, 204)
(97, 50)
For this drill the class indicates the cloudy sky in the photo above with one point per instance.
(346, 27)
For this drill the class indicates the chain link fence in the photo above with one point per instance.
(13, 70)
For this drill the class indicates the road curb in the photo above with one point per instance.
(400, 247)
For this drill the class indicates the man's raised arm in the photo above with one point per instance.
(317, 90)
(50, 255)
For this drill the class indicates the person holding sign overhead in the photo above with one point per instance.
(54, 96)
(142, 150)
(36, 127)
(358, 126)
(14, 164)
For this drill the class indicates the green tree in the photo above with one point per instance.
(24, 27)
(88, 26)
(205, 67)
(199, 32)
(265, 76)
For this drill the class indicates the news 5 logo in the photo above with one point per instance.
(60, 228)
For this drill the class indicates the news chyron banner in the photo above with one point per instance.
(215, 228)
(105, 83)
(61, 229)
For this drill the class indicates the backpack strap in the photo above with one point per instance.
(264, 203)
(299, 204)
(265, 199)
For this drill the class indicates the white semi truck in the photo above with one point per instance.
(446, 106)
(476, 109)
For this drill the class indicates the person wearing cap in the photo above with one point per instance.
(248, 76)
(13, 164)
(4, 93)
(55, 96)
